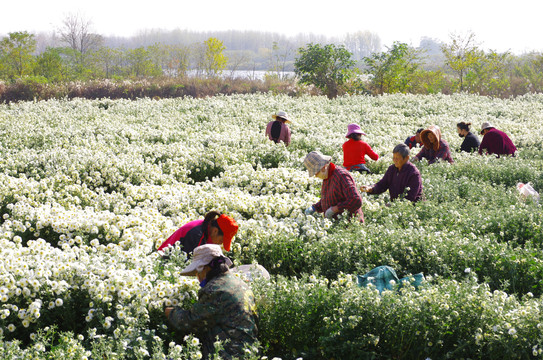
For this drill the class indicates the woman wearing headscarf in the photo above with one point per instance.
(434, 147)
(225, 309)
(215, 228)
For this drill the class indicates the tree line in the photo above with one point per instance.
(354, 63)
(464, 67)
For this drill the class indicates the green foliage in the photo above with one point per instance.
(215, 60)
(49, 64)
(326, 67)
(141, 64)
(16, 55)
(394, 70)
(461, 55)
(315, 318)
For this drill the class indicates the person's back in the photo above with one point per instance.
(470, 144)
(497, 142)
(277, 130)
(234, 317)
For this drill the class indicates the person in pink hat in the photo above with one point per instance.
(355, 150)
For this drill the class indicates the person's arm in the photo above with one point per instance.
(423, 153)
(200, 317)
(372, 154)
(287, 135)
(353, 200)
(318, 206)
(414, 183)
(268, 129)
(484, 144)
(443, 153)
(382, 185)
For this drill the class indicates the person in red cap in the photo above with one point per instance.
(355, 150)
(215, 228)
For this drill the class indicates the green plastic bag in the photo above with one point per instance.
(385, 278)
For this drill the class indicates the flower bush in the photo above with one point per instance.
(90, 188)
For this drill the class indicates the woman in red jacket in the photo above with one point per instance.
(215, 228)
(355, 150)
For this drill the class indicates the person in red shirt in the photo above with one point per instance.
(355, 150)
(338, 192)
(215, 228)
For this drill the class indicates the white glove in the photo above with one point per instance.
(309, 210)
(329, 213)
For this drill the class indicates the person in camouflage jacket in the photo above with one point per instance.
(225, 309)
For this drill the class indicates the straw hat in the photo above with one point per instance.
(486, 125)
(282, 115)
(314, 161)
(202, 256)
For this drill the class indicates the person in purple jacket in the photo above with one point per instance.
(495, 141)
(401, 179)
(434, 147)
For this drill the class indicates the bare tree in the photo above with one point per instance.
(362, 44)
(76, 33)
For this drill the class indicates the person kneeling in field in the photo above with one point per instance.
(215, 228)
(434, 147)
(355, 150)
(338, 192)
(399, 177)
(495, 141)
(225, 309)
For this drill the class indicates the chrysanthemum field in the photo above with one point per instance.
(89, 189)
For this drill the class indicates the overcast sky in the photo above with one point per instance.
(498, 24)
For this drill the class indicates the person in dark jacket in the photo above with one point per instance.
(401, 178)
(471, 141)
(225, 309)
(215, 228)
(495, 141)
(414, 141)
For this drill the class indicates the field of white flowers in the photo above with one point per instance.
(89, 189)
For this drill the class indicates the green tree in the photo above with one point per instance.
(529, 73)
(327, 67)
(393, 71)
(490, 75)
(214, 59)
(140, 63)
(16, 54)
(108, 62)
(49, 64)
(461, 54)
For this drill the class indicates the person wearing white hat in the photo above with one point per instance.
(355, 150)
(338, 192)
(495, 141)
(225, 309)
(277, 130)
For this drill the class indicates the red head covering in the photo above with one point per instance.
(229, 228)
